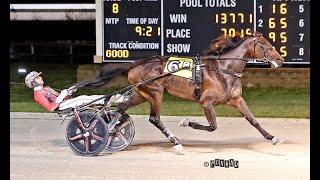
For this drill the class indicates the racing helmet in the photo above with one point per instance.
(29, 80)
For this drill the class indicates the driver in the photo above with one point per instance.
(52, 100)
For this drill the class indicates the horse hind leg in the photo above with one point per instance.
(154, 119)
(242, 107)
(134, 100)
(155, 99)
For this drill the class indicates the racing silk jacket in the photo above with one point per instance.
(46, 97)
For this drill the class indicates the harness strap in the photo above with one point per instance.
(234, 80)
(238, 75)
(225, 71)
(197, 76)
(235, 75)
(132, 86)
(197, 70)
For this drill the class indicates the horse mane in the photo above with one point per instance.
(223, 44)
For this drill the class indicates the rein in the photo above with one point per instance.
(235, 75)
(131, 87)
(215, 57)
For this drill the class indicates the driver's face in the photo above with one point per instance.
(39, 80)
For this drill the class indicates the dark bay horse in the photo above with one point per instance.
(218, 87)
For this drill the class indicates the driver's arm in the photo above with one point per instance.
(64, 93)
(52, 90)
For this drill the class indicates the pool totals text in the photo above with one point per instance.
(135, 29)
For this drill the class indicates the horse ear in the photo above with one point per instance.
(254, 33)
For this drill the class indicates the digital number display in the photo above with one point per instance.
(131, 29)
(287, 25)
(135, 29)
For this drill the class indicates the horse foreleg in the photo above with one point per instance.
(242, 107)
(211, 118)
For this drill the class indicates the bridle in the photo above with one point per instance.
(267, 58)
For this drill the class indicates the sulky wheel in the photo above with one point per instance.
(91, 143)
(123, 136)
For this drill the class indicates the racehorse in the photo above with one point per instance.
(221, 81)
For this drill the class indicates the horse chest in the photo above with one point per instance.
(219, 87)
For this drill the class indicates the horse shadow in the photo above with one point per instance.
(258, 145)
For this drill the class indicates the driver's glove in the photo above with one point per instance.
(61, 96)
(71, 90)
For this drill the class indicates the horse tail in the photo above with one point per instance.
(110, 71)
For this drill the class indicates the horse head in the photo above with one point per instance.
(261, 48)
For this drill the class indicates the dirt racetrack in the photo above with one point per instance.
(38, 150)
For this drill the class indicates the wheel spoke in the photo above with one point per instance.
(93, 124)
(76, 137)
(87, 143)
(109, 140)
(96, 137)
(123, 125)
(120, 135)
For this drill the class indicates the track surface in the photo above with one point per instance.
(38, 150)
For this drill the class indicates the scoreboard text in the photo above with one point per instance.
(135, 29)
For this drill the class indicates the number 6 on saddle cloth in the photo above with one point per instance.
(190, 68)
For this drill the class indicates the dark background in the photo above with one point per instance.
(52, 39)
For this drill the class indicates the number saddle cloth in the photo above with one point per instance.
(190, 69)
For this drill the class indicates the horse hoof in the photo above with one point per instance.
(184, 123)
(276, 141)
(178, 147)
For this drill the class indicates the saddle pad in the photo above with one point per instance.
(175, 63)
